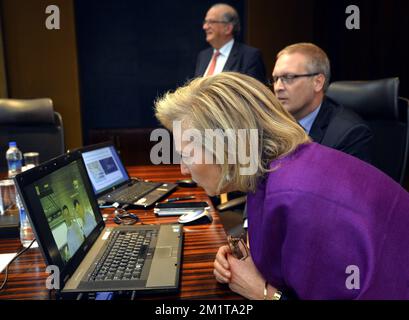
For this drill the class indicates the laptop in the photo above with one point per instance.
(111, 182)
(90, 256)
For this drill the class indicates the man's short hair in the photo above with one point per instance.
(317, 59)
(231, 16)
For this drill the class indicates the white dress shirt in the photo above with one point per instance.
(222, 58)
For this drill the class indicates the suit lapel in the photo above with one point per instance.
(321, 122)
(232, 59)
(204, 62)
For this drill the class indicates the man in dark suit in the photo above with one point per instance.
(300, 77)
(221, 25)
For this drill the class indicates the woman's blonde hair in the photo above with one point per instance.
(235, 101)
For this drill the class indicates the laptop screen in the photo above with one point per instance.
(105, 169)
(62, 199)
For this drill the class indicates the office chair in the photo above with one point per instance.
(377, 102)
(34, 125)
(231, 208)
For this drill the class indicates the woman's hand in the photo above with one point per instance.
(241, 275)
(221, 265)
(245, 279)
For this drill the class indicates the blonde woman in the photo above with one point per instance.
(322, 224)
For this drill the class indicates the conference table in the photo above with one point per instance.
(27, 275)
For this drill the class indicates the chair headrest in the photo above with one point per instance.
(370, 99)
(30, 111)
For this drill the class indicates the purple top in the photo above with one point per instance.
(330, 226)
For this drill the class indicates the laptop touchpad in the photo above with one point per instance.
(163, 252)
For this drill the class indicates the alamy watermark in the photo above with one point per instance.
(353, 20)
(53, 20)
(53, 280)
(353, 281)
(214, 146)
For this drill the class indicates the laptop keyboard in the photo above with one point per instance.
(124, 257)
(134, 192)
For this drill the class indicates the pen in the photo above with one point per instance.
(180, 198)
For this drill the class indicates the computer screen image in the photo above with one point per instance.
(104, 168)
(66, 207)
(111, 182)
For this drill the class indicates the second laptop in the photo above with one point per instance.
(112, 183)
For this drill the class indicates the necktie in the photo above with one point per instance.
(212, 66)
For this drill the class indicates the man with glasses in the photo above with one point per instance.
(300, 78)
(221, 25)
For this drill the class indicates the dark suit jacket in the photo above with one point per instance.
(342, 129)
(242, 58)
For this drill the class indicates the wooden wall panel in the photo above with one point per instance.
(42, 62)
(274, 24)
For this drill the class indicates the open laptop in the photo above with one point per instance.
(72, 235)
(111, 182)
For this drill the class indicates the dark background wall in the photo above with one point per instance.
(379, 49)
(130, 52)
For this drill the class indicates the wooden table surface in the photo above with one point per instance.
(27, 276)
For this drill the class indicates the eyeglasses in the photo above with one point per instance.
(213, 21)
(238, 247)
(290, 78)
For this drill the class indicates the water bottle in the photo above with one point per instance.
(26, 232)
(14, 159)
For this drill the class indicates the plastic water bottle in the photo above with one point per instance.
(14, 159)
(26, 232)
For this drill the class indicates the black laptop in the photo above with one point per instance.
(91, 257)
(111, 182)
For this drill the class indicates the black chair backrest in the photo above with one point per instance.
(377, 102)
(34, 125)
